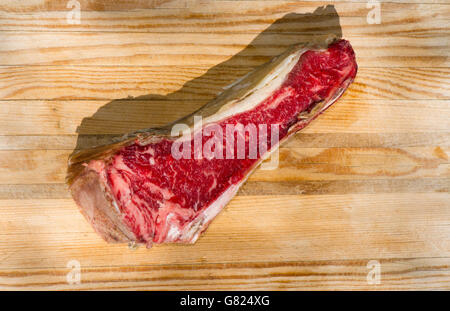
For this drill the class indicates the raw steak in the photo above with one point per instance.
(154, 187)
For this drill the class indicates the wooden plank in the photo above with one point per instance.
(162, 49)
(34, 191)
(325, 187)
(347, 164)
(94, 117)
(261, 188)
(197, 82)
(244, 17)
(294, 228)
(396, 274)
(299, 140)
(49, 166)
(86, 6)
(367, 140)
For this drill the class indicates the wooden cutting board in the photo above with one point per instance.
(360, 199)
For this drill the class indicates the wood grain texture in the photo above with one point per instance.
(368, 180)
(300, 140)
(376, 117)
(409, 19)
(190, 83)
(262, 188)
(49, 166)
(348, 226)
(398, 274)
(163, 49)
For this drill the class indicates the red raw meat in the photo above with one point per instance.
(138, 190)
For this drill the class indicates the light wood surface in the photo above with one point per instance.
(368, 180)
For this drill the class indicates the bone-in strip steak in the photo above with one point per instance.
(153, 187)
